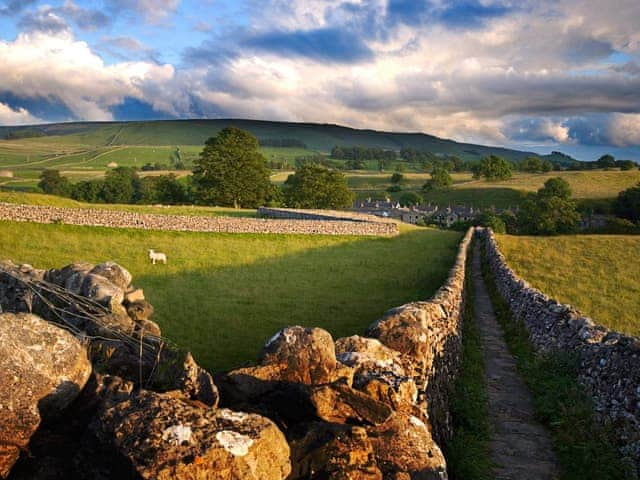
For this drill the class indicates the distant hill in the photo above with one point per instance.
(319, 137)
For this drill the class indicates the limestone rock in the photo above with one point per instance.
(308, 355)
(117, 275)
(134, 295)
(403, 445)
(139, 310)
(60, 277)
(159, 436)
(101, 290)
(321, 450)
(338, 403)
(42, 370)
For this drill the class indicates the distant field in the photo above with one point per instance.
(223, 295)
(598, 274)
(54, 201)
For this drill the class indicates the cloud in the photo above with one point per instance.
(20, 116)
(152, 10)
(14, 7)
(623, 130)
(53, 20)
(45, 20)
(65, 71)
(324, 44)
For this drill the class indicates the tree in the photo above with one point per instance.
(53, 183)
(440, 180)
(627, 205)
(397, 178)
(551, 212)
(493, 167)
(315, 186)
(231, 172)
(493, 221)
(606, 161)
(120, 185)
(626, 164)
(531, 164)
(88, 191)
(409, 199)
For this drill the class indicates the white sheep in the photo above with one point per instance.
(155, 256)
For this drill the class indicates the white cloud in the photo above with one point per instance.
(624, 130)
(20, 116)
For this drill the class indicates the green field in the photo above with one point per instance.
(598, 274)
(223, 295)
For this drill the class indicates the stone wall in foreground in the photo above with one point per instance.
(191, 223)
(609, 361)
(367, 407)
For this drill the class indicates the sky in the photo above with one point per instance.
(536, 75)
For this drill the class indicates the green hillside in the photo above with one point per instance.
(317, 137)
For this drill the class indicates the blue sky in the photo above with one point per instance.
(539, 75)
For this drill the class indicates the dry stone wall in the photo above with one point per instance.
(304, 214)
(192, 223)
(609, 366)
(367, 407)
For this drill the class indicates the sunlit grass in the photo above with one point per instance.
(598, 274)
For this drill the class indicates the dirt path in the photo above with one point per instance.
(520, 447)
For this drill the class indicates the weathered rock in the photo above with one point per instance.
(378, 371)
(42, 369)
(403, 445)
(159, 436)
(116, 274)
(134, 295)
(60, 277)
(148, 327)
(139, 310)
(338, 403)
(101, 290)
(321, 450)
(308, 355)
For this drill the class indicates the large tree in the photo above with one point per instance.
(552, 212)
(315, 186)
(231, 171)
(627, 205)
(440, 180)
(493, 167)
(53, 183)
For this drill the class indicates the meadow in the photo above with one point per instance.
(222, 295)
(598, 274)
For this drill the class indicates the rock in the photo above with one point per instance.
(159, 436)
(134, 295)
(321, 450)
(148, 327)
(101, 290)
(139, 310)
(338, 403)
(42, 370)
(113, 272)
(308, 355)
(403, 445)
(60, 277)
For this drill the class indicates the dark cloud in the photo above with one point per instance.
(133, 109)
(44, 20)
(151, 10)
(86, 19)
(324, 44)
(457, 14)
(49, 108)
(13, 7)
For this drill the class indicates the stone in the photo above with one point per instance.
(139, 310)
(113, 272)
(307, 354)
(101, 290)
(134, 295)
(43, 368)
(159, 436)
(148, 327)
(339, 403)
(403, 445)
(321, 450)
(60, 277)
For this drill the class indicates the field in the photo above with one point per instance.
(598, 274)
(223, 295)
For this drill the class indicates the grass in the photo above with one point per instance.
(223, 295)
(584, 450)
(598, 274)
(467, 452)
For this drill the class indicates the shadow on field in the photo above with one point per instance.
(224, 313)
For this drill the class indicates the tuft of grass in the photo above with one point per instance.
(584, 449)
(222, 295)
(597, 274)
(467, 453)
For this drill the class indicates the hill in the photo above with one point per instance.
(317, 137)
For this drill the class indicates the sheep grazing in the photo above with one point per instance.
(157, 256)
